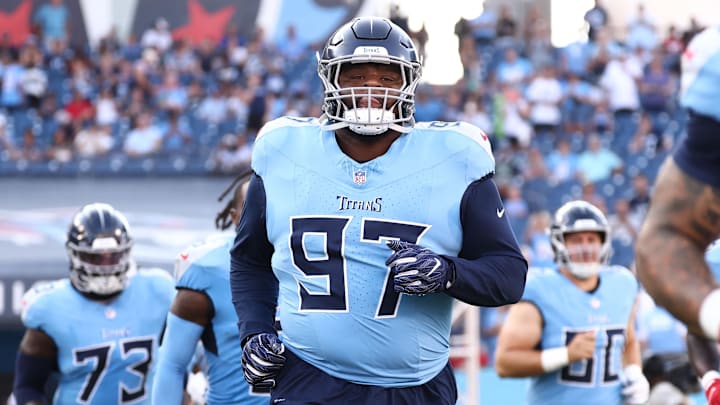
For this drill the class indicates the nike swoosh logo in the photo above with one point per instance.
(500, 212)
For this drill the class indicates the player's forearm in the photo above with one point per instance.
(682, 221)
(254, 295)
(518, 363)
(489, 280)
(631, 354)
(181, 337)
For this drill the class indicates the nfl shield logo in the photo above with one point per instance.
(359, 177)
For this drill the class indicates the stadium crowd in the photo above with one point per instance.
(593, 120)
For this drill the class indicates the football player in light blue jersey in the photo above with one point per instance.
(573, 331)
(202, 311)
(100, 328)
(362, 227)
(684, 217)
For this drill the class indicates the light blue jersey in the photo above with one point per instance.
(700, 79)
(567, 310)
(106, 351)
(339, 311)
(206, 268)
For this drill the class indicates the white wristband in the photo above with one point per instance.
(709, 316)
(553, 359)
(708, 378)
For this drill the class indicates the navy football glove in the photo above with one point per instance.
(262, 360)
(418, 270)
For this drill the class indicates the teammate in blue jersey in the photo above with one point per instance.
(684, 217)
(362, 227)
(100, 328)
(203, 311)
(573, 332)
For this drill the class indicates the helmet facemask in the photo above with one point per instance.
(101, 269)
(581, 260)
(393, 109)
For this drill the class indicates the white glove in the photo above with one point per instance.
(636, 388)
(196, 387)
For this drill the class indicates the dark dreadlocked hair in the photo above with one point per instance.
(223, 220)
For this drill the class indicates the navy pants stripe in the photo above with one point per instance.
(300, 383)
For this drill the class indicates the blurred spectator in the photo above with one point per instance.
(53, 21)
(171, 96)
(93, 141)
(513, 69)
(624, 226)
(474, 113)
(29, 149)
(34, 82)
(79, 109)
(575, 57)
(602, 120)
(544, 95)
(397, 17)
(577, 107)
(597, 19)
(143, 140)
(641, 30)
(538, 239)
(619, 80)
(232, 154)
(182, 58)
(535, 168)
(656, 86)
(12, 97)
(597, 162)
(510, 118)
(640, 197)
(176, 135)
(213, 108)
(506, 28)
(106, 109)
(483, 28)
(589, 193)
(291, 46)
(601, 51)
(158, 36)
(644, 141)
(540, 51)
(562, 163)
(61, 147)
(515, 206)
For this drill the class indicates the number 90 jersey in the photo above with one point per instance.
(106, 351)
(328, 218)
(567, 310)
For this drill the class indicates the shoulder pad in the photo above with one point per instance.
(196, 251)
(281, 122)
(473, 133)
(39, 290)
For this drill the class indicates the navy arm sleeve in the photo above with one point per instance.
(252, 282)
(490, 269)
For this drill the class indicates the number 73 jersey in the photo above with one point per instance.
(106, 351)
(328, 218)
